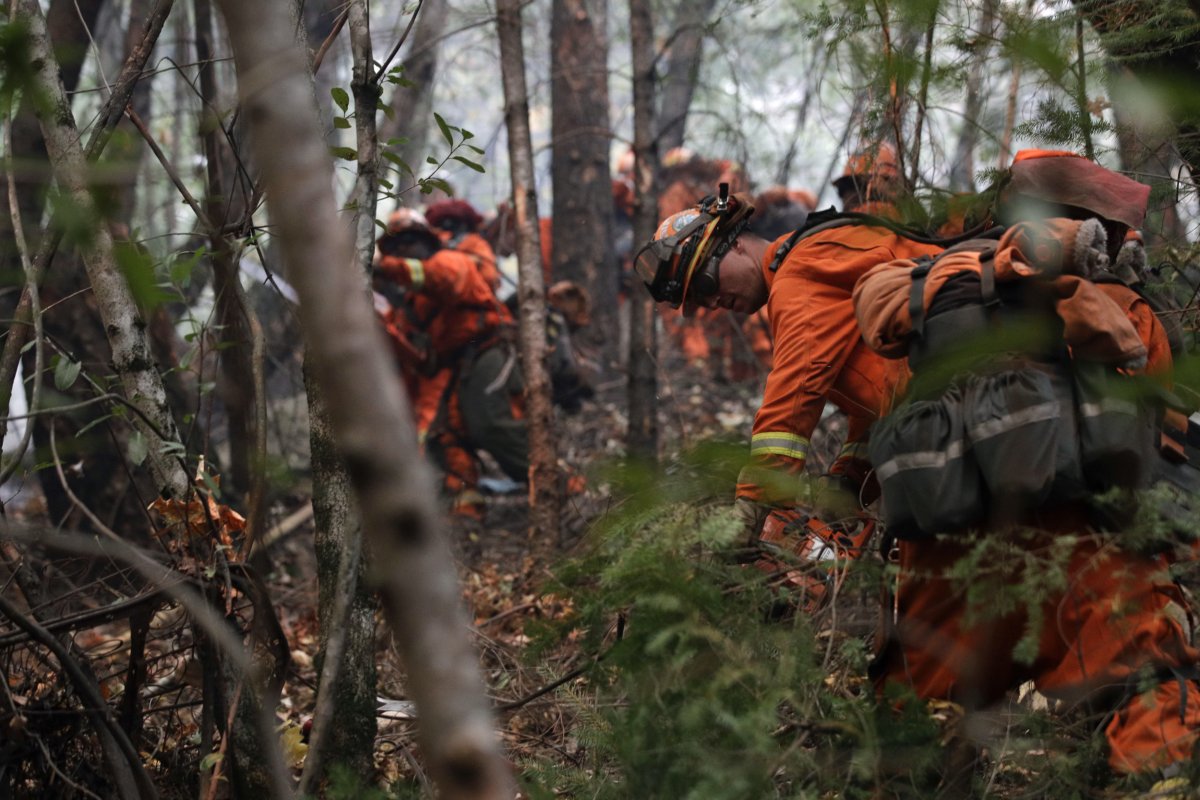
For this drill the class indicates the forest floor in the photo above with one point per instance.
(504, 588)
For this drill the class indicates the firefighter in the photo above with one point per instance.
(703, 257)
(452, 337)
(457, 224)
(1013, 441)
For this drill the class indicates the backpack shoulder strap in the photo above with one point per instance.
(916, 294)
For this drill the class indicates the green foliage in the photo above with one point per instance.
(702, 688)
(16, 61)
(140, 271)
(1055, 124)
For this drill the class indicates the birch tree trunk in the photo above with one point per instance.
(370, 416)
(643, 381)
(544, 495)
(583, 206)
(124, 324)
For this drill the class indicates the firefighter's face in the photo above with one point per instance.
(741, 286)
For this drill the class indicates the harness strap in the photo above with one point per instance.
(987, 279)
(916, 294)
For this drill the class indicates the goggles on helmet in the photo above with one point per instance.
(683, 264)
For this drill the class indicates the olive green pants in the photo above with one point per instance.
(485, 397)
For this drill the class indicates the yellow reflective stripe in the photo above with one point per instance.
(416, 272)
(779, 443)
(854, 450)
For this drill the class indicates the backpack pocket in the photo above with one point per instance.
(925, 469)
(1117, 428)
(1020, 424)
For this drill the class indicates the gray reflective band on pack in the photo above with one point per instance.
(994, 427)
(929, 459)
(1109, 405)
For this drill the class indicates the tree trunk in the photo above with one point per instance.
(544, 494)
(683, 70)
(1144, 36)
(373, 430)
(962, 164)
(346, 608)
(643, 381)
(413, 105)
(1144, 142)
(104, 482)
(225, 205)
(124, 324)
(583, 205)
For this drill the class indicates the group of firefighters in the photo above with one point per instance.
(994, 379)
(995, 383)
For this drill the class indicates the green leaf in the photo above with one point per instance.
(478, 150)
(469, 163)
(344, 153)
(444, 128)
(210, 761)
(431, 160)
(400, 163)
(65, 373)
(429, 184)
(28, 345)
(466, 134)
(138, 268)
(138, 448)
(341, 98)
(341, 123)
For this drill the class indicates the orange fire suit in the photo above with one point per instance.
(451, 303)
(475, 246)
(1115, 624)
(820, 356)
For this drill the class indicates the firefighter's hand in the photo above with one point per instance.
(833, 498)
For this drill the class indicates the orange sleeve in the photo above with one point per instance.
(815, 331)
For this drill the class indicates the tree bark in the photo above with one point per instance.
(73, 322)
(346, 608)
(225, 205)
(582, 221)
(683, 70)
(1144, 142)
(124, 324)
(373, 429)
(962, 165)
(413, 105)
(1144, 36)
(643, 380)
(545, 497)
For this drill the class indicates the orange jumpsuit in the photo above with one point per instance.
(456, 308)
(819, 354)
(475, 246)
(1116, 615)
